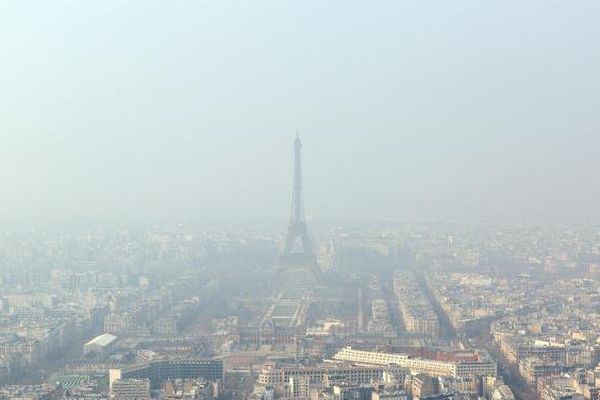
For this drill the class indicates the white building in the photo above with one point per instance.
(101, 345)
(461, 369)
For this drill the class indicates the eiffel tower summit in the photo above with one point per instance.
(298, 249)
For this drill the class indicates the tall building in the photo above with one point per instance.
(298, 249)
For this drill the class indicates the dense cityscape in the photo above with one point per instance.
(299, 200)
(390, 310)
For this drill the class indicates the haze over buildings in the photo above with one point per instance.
(463, 109)
(271, 200)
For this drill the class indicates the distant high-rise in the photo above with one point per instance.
(297, 249)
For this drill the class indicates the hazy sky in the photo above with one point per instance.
(189, 108)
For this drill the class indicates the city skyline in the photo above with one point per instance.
(281, 200)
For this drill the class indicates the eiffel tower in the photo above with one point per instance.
(297, 250)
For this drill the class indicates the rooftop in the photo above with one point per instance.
(102, 340)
